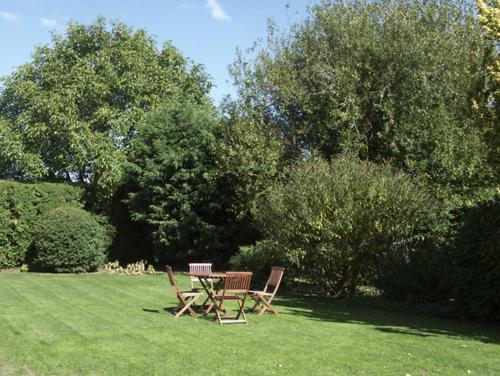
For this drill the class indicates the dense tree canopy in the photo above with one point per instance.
(72, 110)
(488, 104)
(388, 80)
(193, 179)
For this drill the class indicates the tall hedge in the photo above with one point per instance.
(21, 204)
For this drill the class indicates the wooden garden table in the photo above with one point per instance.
(211, 292)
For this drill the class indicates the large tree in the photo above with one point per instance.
(386, 79)
(72, 110)
(193, 178)
(487, 104)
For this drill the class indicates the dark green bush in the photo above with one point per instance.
(341, 223)
(21, 204)
(258, 258)
(474, 262)
(70, 240)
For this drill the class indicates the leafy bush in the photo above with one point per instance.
(136, 268)
(474, 262)
(342, 223)
(21, 204)
(258, 258)
(70, 240)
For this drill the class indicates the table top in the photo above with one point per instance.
(206, 275)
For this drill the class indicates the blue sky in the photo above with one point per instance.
(208, 31)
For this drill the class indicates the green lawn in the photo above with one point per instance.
(100, 324)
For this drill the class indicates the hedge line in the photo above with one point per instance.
(20, 206)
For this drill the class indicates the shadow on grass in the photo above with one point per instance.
(386, 321)
(172, 311)
(155, 310)
(211, 316)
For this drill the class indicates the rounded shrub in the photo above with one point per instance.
(348, 222)
(70, 240)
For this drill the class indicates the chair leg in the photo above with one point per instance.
(217, 312)
(242, 308)
(266, 306)
(187, 306)
(241, 312)
(257, 302)
(209, 308)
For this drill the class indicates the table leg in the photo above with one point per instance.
(210, 293)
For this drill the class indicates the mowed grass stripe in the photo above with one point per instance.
(102, 315)
(100, 324)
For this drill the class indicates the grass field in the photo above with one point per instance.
(99, 324)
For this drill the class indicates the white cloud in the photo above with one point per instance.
(49, 23)
(217, 11)
(8, 16)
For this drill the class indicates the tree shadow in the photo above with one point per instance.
(387, 321)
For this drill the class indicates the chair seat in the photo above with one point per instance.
(228, 297)
(190, 293)
(251, 292)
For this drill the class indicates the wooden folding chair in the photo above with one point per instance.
(236, 286)
(202, 269)
(186, 298)
(264, 298)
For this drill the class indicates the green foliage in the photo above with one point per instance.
(15, 162)
(132, 240)
(70, 240)
(258, 259)
(473, 274)
(339, 224)
(248, 159)
(387, 80)
(73, 108)
(171, 161)
(193, 179)
(21, 204)
(486, 103)
(24, 268)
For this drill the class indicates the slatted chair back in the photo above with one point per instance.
(197, 268)
(237, 282)
(274, 280)
(200, 268)
(172, 280)
(236, 286)
(265, 297)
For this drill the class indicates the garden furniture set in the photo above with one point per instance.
(226, 287)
